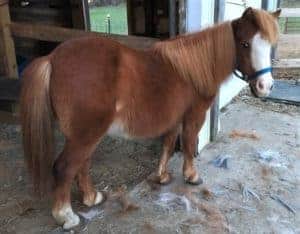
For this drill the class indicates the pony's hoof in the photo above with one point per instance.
(66, 217)
(71, 222)
(165, 178)
(99, 198)
(194, 181)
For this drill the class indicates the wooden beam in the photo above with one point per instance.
(3, 2)
(7, 48)
(59, 34)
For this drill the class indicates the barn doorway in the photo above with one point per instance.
(108, 16)
(148, 18)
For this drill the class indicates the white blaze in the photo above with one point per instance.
(260, 57)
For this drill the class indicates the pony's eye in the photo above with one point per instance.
(245, 44)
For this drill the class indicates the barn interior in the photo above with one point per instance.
(31, 37)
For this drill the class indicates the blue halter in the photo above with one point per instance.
(253, 76)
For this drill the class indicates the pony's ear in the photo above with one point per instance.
(276, 13)
(248, 13)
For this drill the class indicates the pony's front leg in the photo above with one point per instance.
(191, 126)
(169, 141)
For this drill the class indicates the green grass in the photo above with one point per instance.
(118, 16)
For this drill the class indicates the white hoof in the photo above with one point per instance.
(97, 200)
(66, 217)
(71, 222)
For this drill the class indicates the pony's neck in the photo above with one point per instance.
(205, 58)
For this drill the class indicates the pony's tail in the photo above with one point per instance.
(36, 120)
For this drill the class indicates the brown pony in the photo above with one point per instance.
(94, 86)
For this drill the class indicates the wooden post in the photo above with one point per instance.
(80, 14)
(182, 16)
(286, 25)
(182, 30)
(219, 11)
(278, 3)
(130, 17)
(265, 4)
(172, 18)
(7, 47)
(214, 111)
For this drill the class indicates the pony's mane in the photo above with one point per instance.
(205, 58)
(267, 25)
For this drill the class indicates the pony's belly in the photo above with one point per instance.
(117, 129)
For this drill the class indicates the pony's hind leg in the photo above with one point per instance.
(64, 171)
(169, 140)
(66, 167)
(91, 197)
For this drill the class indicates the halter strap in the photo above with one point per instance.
(253, 76)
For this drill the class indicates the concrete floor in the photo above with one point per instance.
(265, 169)
(240, 199)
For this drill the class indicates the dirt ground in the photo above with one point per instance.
(256, 191)
(116, 162)
(266, 166)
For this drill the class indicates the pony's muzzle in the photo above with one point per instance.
(263, 85)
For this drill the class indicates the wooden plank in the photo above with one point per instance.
(59, 34)
(290, 12)
(43, 15)
(3, 2)
(287, 63)
(7, 48)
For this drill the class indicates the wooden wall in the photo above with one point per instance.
(149, 18)
(64, 13)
